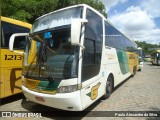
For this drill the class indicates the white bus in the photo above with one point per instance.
(80, 58)
(140, 56)
(155, 57)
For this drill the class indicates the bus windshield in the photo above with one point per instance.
(55, 57)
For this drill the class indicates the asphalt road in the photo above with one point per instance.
(139, 93)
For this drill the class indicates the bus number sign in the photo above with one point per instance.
(13, 57)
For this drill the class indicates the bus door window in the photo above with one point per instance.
(93, 46)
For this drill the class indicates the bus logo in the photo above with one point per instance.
(32, 84)
(94, 91)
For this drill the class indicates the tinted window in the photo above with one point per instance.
(120, 40)
(115, 39)
(94, 26)
(110, 39)
(93, 46)
(89, 53)
(9, 29)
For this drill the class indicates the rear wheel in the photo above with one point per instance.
(109, 88)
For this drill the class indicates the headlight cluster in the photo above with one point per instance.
(68, 89)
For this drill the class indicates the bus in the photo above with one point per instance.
(11, 62)
(140, 56)
(155, 57)
(80, 57)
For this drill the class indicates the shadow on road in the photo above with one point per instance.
(118, 86)
(150, 64)
(54, 113)
(11, 98)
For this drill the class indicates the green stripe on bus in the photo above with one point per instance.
(49, 85)
(123, 61)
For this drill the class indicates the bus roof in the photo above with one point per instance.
(16, 22)
(83, 5)
(87, 6)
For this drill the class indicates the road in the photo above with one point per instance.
(138, 93)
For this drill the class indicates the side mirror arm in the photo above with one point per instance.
(81, 46)
(12, 38)
(76, 25)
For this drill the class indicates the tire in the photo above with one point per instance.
(109, 88)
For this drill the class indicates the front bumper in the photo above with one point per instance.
(65, 101)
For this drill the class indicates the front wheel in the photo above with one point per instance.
(109, 88)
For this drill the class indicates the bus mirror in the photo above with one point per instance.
(12, 38)
(76, 31)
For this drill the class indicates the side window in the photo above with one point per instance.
(127, 45)
(93, 46)
(7, 30)
(115, 39)
(120, 39)
(110, 38)
(89, 53)
(94, 26)
(130, 46)
(123, 42)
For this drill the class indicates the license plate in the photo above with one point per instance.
(39, 99)
(32, 84)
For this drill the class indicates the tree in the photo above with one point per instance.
(147, 47)
(29, 10)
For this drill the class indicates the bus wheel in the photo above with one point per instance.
(109, 88)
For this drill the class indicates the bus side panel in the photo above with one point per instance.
(117, 64)
(112, 65)
(13, 81)
(132, 61)
(11, 63)
(2, 82)
(123, 61)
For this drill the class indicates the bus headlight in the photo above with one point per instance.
(68, 89)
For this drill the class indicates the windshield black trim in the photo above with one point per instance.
(46, 79)
(51, 29)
